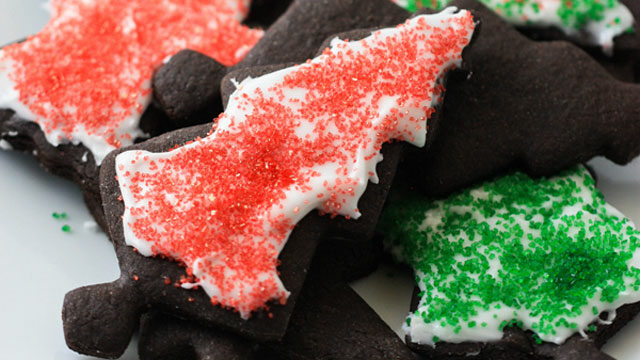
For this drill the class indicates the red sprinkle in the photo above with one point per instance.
(94, 59)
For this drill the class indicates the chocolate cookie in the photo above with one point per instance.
(529, 112)
(164, 337)
(329, 321)
(307, 23)
(187, 88)
(264, 13)
(516, 268)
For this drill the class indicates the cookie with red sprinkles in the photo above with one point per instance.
(81, 87)
(539, 107)
(303, 138)
(424, 47)
(155, 282)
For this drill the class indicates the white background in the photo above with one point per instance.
(39, 263)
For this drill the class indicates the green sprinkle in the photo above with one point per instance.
(537, 339)
(544, 249)
(66, 228)
(435, 339)
(58, 216)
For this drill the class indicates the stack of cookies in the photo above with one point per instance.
(248, 159)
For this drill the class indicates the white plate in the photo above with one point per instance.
(40, 263)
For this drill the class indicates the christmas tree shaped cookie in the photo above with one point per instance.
(546, 256)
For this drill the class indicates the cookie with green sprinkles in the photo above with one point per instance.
(539, 266)
(534, 109)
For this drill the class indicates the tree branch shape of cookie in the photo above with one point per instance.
(600, 21)
(547, 255)
(85, 78)
(303, 138)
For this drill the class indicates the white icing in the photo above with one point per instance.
(298, 203)
(4, 145)
(402, 3)
(235, 83)
(423, 333)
